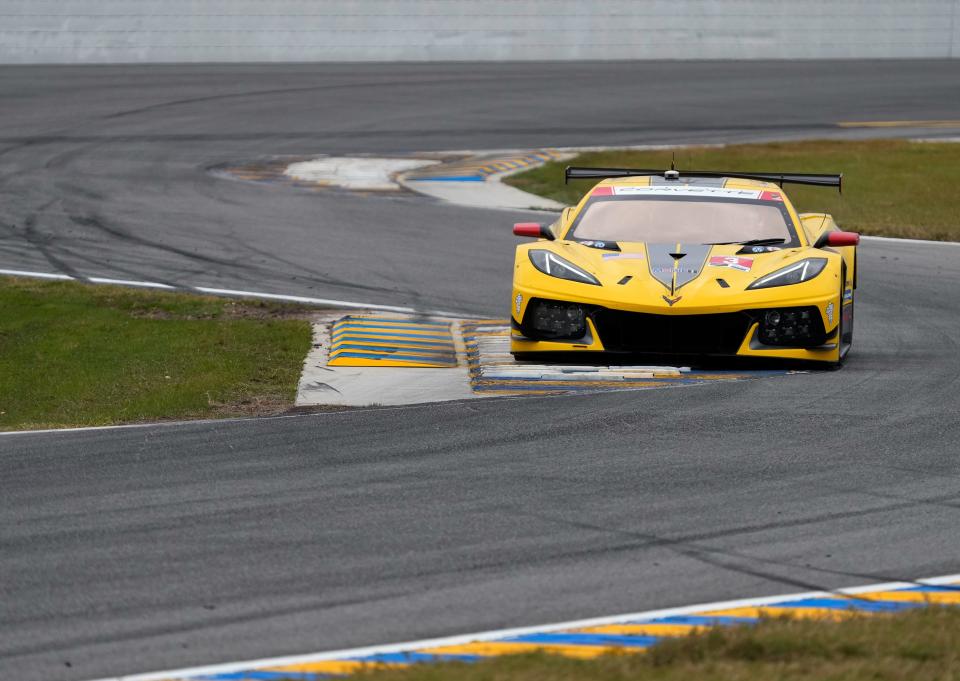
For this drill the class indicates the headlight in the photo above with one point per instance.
(555, 266)
(792, 274)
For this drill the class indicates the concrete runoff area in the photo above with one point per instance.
(488, 193)
(465, 178)
(361, 383)
(359, 174)
(476, 181)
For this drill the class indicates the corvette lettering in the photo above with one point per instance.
(669, 270)
(688, 190)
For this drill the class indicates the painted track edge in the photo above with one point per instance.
(461, 639)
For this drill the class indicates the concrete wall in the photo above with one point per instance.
(96, 31)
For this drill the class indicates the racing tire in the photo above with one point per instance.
(844, 335)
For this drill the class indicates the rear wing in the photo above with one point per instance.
(817, 180)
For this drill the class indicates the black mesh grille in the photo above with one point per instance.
(684, 334)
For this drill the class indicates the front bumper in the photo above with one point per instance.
(813, 335)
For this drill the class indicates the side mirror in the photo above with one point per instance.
(837, 239)
(533, 229)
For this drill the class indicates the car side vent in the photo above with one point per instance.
(625, 279)
(723, 283)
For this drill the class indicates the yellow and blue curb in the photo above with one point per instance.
(478, 169)
(589, 638)
(366, 340)
(475, 168)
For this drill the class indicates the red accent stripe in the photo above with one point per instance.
(602, 191)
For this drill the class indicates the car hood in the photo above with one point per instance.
(640, 271)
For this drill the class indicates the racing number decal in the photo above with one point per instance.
(737, 263)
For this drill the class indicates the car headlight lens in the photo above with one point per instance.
(555, 266)
(796, 273)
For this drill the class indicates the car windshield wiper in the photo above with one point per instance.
(748, 242)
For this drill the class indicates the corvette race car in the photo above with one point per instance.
(686, 263)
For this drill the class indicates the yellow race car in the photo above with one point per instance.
(685, 263)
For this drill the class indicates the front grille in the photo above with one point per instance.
(700, 334)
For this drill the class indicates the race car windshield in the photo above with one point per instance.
(686, 220)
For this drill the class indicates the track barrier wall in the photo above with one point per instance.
(152, 31)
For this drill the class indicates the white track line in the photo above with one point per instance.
(37, 275)
(325, 302)
(152, 424)
(244, 419)
(519, 631)
(927, 242)
(303, 299)
(128, 282)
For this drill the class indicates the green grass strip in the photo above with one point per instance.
(73, 354)
(890, 187)
(918, 644)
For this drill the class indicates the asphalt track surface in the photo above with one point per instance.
(148, 548)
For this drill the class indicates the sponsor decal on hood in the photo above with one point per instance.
(759, 249)
(605, 245)
(677, 264)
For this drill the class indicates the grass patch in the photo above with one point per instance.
(72, 354)
(919, 644)
(890, 187)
